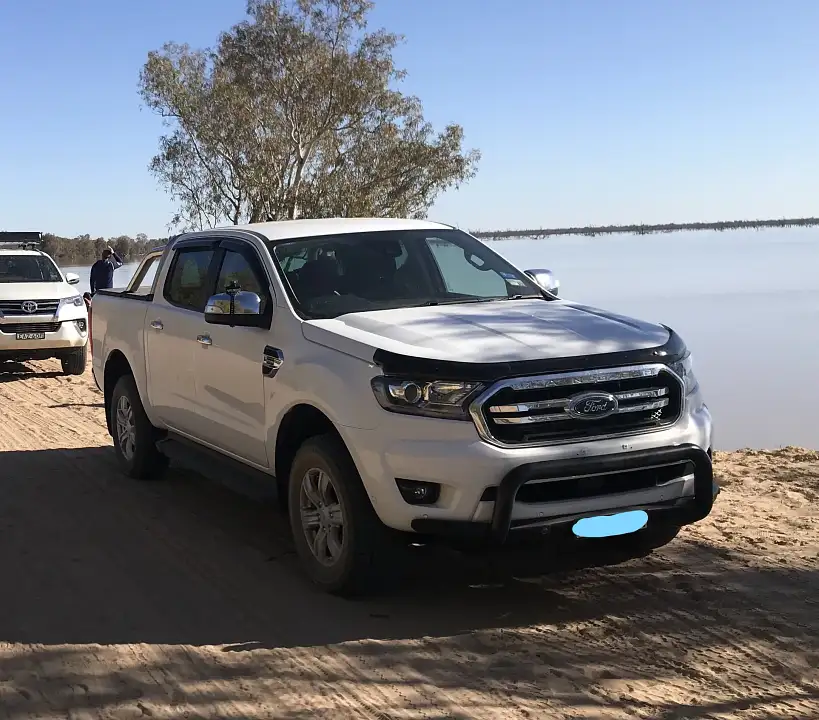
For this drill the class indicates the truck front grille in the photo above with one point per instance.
(11, 328)
(23, 307)
(577, 406)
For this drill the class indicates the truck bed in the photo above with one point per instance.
(118, 320)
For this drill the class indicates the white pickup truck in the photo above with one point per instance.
(398, 381)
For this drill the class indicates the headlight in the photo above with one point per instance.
(685, 369)
(439, 398)
(76, 301)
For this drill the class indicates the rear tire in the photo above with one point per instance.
(343, 546)
(134, 436)
(74, 362)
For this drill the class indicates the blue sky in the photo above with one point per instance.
(586, 111)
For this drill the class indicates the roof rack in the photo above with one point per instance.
(24, 240)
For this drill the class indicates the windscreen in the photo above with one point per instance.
(28, 268)
(336, 274)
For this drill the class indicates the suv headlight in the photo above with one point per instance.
(685, 369)
(438, 398)
(77, 301)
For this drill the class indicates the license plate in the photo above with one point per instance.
(30, 336)
(610, 525)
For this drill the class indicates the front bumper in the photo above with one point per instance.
(479, 482)
(59, 335)
(677, 511)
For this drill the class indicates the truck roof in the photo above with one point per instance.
(287, 229)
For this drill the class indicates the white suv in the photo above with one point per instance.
(42, 315)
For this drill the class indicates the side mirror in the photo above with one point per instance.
(546, 280)
(72, 278)
(236, 308)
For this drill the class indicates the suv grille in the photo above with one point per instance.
(577, 406)
(11, 328)
(15, 307)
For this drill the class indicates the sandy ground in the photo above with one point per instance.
(183, 599)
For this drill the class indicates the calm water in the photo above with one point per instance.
(747, 304)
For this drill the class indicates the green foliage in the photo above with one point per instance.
(84, 250)
(295, 113)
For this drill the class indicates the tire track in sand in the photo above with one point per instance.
(182, 599)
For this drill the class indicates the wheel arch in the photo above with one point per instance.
(300, 423)
(116, 366)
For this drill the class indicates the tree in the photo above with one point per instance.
(122, 245)
(85, 247)
(295, 114)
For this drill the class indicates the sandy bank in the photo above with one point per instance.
(182, 599)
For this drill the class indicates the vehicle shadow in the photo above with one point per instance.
(177, 559)
(76, 405)
(11, 370)
(94, 559)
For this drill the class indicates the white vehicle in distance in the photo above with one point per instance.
(400, 382)
(42, 315)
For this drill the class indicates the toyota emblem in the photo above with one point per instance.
(29, 306)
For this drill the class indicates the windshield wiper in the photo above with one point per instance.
(432, 303)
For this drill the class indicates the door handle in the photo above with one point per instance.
(157, 324)
(272, 359)
(204, 340)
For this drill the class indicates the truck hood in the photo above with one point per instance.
(502, 331)
(36, 291)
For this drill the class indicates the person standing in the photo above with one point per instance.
(102, 271)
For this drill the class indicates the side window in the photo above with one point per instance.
(462, 277)
(143, 284)
(237, 270)
(294, 262)
(187, 284)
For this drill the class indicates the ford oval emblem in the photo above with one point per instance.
(592, 406)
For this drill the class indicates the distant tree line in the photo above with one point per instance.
(84, 250)
(592, 230)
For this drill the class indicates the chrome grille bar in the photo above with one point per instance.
(552, 417)
(14, 308)
(563, 402)
(543, 410)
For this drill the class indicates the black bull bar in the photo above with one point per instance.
(680, 511)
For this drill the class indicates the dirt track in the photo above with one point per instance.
(183, 599)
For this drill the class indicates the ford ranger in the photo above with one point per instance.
(398, 381)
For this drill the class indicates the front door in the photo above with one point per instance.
(228, 362)
(175, 318)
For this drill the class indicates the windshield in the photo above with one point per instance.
(28, 268)
(337, 274)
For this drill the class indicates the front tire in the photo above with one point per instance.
(134, 436)
(342, 544)
(74, 362)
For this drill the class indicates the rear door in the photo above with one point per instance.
(173, 323)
